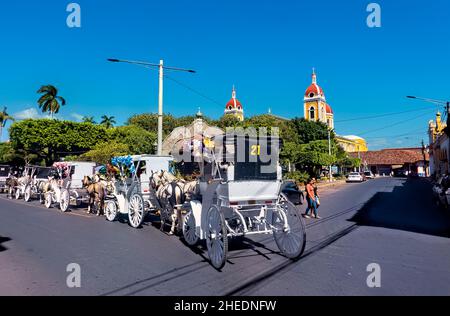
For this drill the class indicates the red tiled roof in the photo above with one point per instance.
(329, 109)
(314, 89)
(397, 156)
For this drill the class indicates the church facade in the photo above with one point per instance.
(316, 108)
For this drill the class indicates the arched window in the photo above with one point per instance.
(312, 113)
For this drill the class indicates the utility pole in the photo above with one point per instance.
(424, 159)
(160, 107)
(161, 68)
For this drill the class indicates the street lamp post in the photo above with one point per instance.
(161, 68)
(160, 106)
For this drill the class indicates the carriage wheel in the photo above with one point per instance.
(48, 199)
(289, 230)
(136, 211)
(190, 229)
(18, 194)
(216, 238)
(27, 194)
(111, 210)
(64, 201)
(74, 196)
(10, 192)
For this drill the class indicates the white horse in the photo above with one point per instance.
(172, 193)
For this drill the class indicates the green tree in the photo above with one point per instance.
(228, 121)
(4, 118)
(104, 152)
(149, 122)
(108, 121)
(51, 139)
(50, 101)
(138, 140)
(307, 131)
(89, 119)
(187, 120)
(315, 155)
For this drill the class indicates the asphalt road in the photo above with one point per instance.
(390, 222)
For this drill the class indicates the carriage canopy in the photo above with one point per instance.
(253, 157)
(42, 172)
(4, 171)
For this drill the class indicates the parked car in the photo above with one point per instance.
(292, 192)
(4, 174)
(441, 192)
(369, 175)
(355, 177)
(400, 173)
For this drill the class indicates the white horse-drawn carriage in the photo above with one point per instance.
(127, 198)
(65, 184)
(56, 191)
(23, 181)
(78, 170)
(34, 187)
(240, 196)
(134, 195)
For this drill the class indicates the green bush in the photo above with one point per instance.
(301, 177)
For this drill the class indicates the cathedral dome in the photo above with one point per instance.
(314, 90)
(234, 103)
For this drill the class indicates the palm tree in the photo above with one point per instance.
(50, 101)
(89, 119)
(108, 121)
(4, 118)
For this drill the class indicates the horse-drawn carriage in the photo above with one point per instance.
(240, 196)
(4, 175)
(78, 171)
(127, 197)
(135, 193)
(57, 188)
(34, 187)
(23, 182)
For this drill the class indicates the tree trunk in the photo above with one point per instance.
(1, 132)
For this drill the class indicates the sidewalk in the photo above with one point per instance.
(325, 184)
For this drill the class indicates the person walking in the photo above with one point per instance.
(311, 199)
(316, 197)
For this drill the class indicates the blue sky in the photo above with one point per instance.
(266, 48)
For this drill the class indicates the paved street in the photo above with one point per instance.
(391, 222)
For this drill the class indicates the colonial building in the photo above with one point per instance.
(439, 147)
(407, 161)
(352, 143)
(317, 109)
(234, 107)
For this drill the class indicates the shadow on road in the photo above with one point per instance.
(3, 240)
(408, 207)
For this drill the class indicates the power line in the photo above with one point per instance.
(395, 124)
(194, 91)
(382, 115)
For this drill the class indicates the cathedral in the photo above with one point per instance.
(317, 109)
(234, 107)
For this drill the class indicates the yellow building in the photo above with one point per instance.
(352, 144)
(439, 147)
(315, 106)
(317, 109)
(234, 107)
